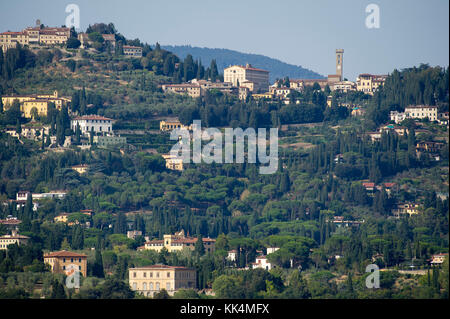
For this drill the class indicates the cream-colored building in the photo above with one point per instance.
(369, 83)
(179, 242)
(132, 51)
(60, 262)
(173, 162)
(62, 218)
(38, 101)
(14, 238)
(438, 259)
(238, 75)
(34, 35)
(343, 86)
(421, 112)
(281, 92)
(171, 125)
(407, 208)
(149, 280)
(81, 169)
(193, 90)
(266, 95)
(9, 40)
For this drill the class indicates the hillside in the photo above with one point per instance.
(225, 57)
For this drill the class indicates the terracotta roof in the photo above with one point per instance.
(64, 253)
(92, 117)
(161, 267)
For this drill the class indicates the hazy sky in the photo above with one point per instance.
(300, 32)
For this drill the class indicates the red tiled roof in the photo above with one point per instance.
(64, 253)
(93, 117)
(161, 267)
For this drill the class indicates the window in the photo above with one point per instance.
(134, 286)
(134, 275)
(145, 274)
(168, 286)
(157, 286)
(168, 274)
(157, 275)
(144, 287)
(151, 286)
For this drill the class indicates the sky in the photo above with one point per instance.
(300, 32)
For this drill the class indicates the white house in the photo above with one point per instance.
(87, 123)
(262, 262)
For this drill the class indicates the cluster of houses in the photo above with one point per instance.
(50, 36)
(38, 35)
(33, 105)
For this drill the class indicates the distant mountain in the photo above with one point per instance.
(225, 58)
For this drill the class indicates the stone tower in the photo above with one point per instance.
(340, 63)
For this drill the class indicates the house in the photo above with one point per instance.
(262, 262)
(406, 208)
(438, 259)
(12, 239)
(35, 103)
(169, 125)
(61, 218)
(238, 74)
(271, 250)
(149, 280)
(370, 187)
(178, 242)
(80, 169)
(60, 261)
(194, 90)
(357, 111)
(232, 255)
(134, 233)
(343, 86)
(421, 112)
(92, 123)
(173, 162)
(369, 83)
(281, 92)
(132, 51)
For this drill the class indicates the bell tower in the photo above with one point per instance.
(340, 63)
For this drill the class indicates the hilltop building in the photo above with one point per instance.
(240, 75)
(34, 35)
(369, 83)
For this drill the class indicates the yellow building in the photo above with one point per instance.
(61, 218)
(193, 90)
(171, 125)
(38, 101)
(369, 83)
(266, 95)
(179, 242)
(149, 280)
(10, 39)
(60, 261)
(14, 238)
(81, 169)
(238, 75)
(34, 35)
(173, 162)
